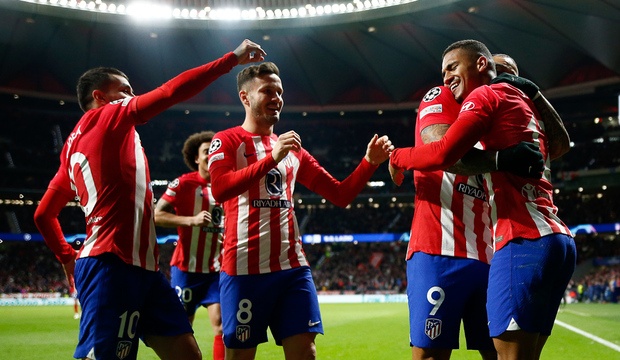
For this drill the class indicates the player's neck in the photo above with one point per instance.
(257, 127)
(204, 173)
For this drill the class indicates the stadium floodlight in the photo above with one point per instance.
(146, 11)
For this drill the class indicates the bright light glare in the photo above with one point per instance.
(143, 11)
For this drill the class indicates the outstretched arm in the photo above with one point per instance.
(342, 193)
(165, 216)
(191, 82)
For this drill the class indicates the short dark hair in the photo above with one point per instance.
(249, 73)
(473, 47)
(94, 79)
(191, 146)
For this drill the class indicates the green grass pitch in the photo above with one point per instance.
(352, 331)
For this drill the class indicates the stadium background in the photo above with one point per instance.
(346, 76)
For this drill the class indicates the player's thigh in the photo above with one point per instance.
(179, 347)
(161, 313)
(437, 291)
(111, 293)
(525, 281)
(299, 347)
(195, 289)
(247, 302)
(215, 317)
(297, 307)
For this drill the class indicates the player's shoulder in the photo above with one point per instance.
(437, 95)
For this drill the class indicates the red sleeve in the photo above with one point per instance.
(339, 193)
(472, 123)
(227, 183)
(183, 87)
(46, 219)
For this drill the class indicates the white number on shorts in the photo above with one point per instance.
(130, 325)
(80, 160)
(437, 303)
(244, 308)
(184, 294)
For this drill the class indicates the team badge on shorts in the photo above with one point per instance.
(243, 332)
(432, 328)
(123, 349)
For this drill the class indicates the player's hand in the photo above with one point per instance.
(69, 268)
(379, 149)
(289, 141)
(396, 174)
(249, 52)
(528, 87)
(523, 159)
(203, 218)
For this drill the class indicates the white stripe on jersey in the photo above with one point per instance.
(538, 218)
(138, 200)
(488, 179)
(447, 217)
(264, 227)
(90, 242)
(191, 265)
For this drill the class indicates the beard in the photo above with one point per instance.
(261, 116)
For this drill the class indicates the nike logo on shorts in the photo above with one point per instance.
(311, 324)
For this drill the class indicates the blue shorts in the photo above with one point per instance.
(120, 304)
(527, 281)
(285, 301)
(195, 289)
(443, 290)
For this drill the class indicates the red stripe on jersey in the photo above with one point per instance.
(229, 254)
(253, 219)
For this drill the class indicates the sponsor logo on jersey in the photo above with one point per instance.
(529, 192)
(271, 203)
(273, 183)
(468, 106)
(432, 328)
(123, 101)
(174, 183)
(433, 109)
(123, 349)
(213, 230)
(217, 215)
(432, 94)
(93, 220)
(243, 332)
(248, 155)
(471, 191)
(216, 144)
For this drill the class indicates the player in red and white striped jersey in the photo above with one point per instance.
(535, 254)
(265, 279)
(195, 265)
(103, 164)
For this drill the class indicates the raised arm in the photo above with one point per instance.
(191, 82)
(559, 140)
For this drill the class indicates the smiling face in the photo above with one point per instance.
(202, 158)
(462, 72)
(263, 98)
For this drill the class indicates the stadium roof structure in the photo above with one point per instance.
(385, 57)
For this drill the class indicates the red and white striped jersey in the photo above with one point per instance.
(451, 215)
(261, 231)
(103, 162)
(520, 207)
(199, 247)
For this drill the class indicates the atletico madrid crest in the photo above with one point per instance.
(123, 349)
(432, 328)
(243, 332)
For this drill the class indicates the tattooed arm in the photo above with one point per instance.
(557, 136)
(473, 163)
